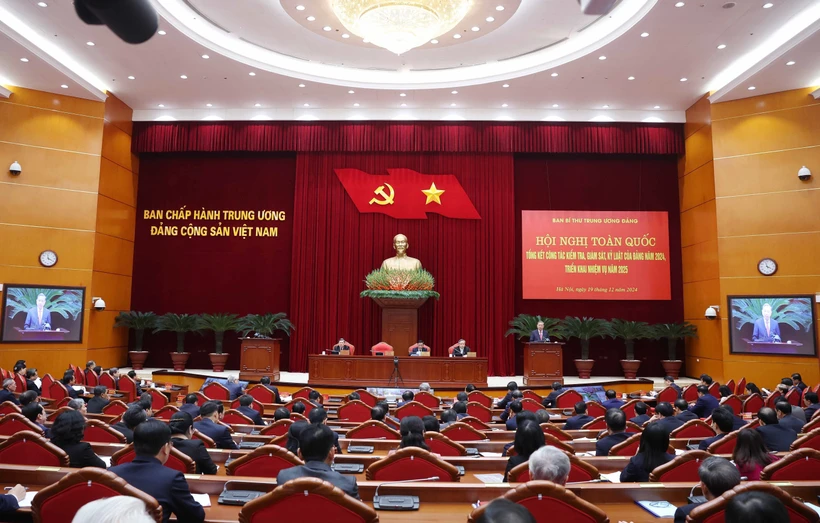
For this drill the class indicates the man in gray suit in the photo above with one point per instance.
(38, 318)
(317, 451)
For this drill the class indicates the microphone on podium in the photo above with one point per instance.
(397, 502)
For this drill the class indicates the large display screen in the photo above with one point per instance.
(782, 325)
(42, 314)
(595, 255)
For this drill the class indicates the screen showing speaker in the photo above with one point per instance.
(773, 324)
(42, 314)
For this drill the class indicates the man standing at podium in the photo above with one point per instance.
(38, 318)
(539, 334)
(766, 329)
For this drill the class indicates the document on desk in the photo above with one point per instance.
(202, 499)
(490, 478)
(812, 506)
(660, 509)
(26, 503)
(106, 460)
(612, 477)
(491, 454)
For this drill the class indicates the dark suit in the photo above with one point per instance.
(669, 424)
(7, 395)
(33, 321)
(96, 404)
(30, 385)
(738, 423)
(502, 404)
(635, 471)
(777, 437)
(704, 406)
(458, 352)
(252, 414)
(614, 403)
(81, 455)
(682, 512)
(760, 333)
(8, 504)
(810, 410)
(190, 408)
(321, 470)
(640, 419)
(221, 435)
(294, 433)
(235, 389)
(195, 449)
(578, 421)
(549, 401)
(123, 429)
(166, 485)
(607, 442)
(800, 414)
(46, 431)
(511, 424)
(703, 445)
(678, 389)
(275, 390)
(792, 423)
(535, 337)
(513, 462)
(687, 415)
(73, 394)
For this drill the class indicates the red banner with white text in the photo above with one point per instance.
(588, 255)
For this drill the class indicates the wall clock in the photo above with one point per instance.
(48, 258)
(767, 266)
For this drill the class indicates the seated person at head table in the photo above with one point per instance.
(406, 397)
(190, 405)
(100, 400)
(615, 430)
(130, 419)
(266, 382)
(665, 417)
(211, 413)
(549, 401)
(766, 329)
(682, 411)
(418, 348)
(528, 438)
(515, 408)
(461, 349)
(517, 395)
(705, 404)
(502, 403)
(7, 393)
(316, 449)
(67, 433)
(641, 416)
(182, 432)
(722, 421)
(776, 437)
(717, 475)
(245, 402)
(580, 418)
(751, 455)
(338, 347)
(612, 401)
(539, 334)
(651, 453)
(147, 472)
(669, 381)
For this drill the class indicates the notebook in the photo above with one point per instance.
(26, 503)
(660, 509)
(202, 499)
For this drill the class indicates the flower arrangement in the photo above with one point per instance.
(383, 283)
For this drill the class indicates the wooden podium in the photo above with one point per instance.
(543, 364)
(259, 357)
(400, 320)
(35, 335)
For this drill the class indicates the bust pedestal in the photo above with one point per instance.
(400, 321)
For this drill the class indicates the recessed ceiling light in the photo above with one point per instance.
(683, 79)
(554, 75)
(327, 28)
(605, 107)
(205, 56)
(251, 74)
(365, 41)
(602, 57)
(453, 92)
(356, 105)
(42, 4)
(351, 91)
(657, 107)
(161, 105)
(505, 85)
(301, 85)
(751, 88)
(499, 8)
(490, 19)
(64, 86)
(24, 59)
(631, 78)
(403, 94)
(257, 105)
(433, 41)
(209, 105)
(90, 44)
(555, 106)
(300, 8)
(768, 5)
(161, 33)
(457, 36)
(475, 28)
(504, 105)
(403, 105)
(132, 78)
(790, 62)
(722, 46)
(345, 35)
(311, 18)
(184, 76)
(680, 4)
(305, 105)
(452, 105)
(644, 35)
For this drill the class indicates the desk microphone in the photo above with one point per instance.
(398, 502)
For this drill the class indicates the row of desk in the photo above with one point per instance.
(375, 371)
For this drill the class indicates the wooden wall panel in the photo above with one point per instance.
(115, 218)
(113, 255)
(44, 358)
(763, 104)
(50, 129)
(698, 149)
(118, 114)
(771, 131)
(115, 288)
(118, 183)
(698, 116)
(698, 296)
(41, 275)
(698, 224)
(768, 214)
(795, 254)
(696, 366)
(51, 168)
(766, 173)
(75, 249)
(116, 146)
(46, 207)
(56, 102)
(700, 261)
(697, 187)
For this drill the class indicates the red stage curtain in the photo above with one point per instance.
(478, 137)
(335, 247)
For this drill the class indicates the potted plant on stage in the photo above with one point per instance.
(673, 332)
(219, 324)
(585, 329)
(138, 322)
(181, 324)
(260, 352)
(629, 331)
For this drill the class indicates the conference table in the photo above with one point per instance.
(375, 371)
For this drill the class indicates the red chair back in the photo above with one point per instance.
(731, 385)
(79, 377)
(734, 402)
(442, 445)
(308, 405)
(628, 447)
(45, 385)
(413, 408)
(128, 386)
(367, 398)
(176, 460)
(98, 432)
(13, 423)
(548, 502)
(555, 432)
(354, 410)
(714, 389)
(234, 417)
(373, 430)
(4, 373)
(294, 416)
(579, 470)
(58, 391)
(690, 393)
(428, 400)
(566, 399)
(114, 408)
(8, 407)
(479, 397)
(714, 511)
(91, 378)
(668, 394)
(261, 394)
(741, 387)
(255, 405)
(411, 463)
(799, 465)
(304, 392)
(595, 409)
(794, 397)
(166, 412)
(479, 412)
(462, 432)
(216, 391)
(475, 423)
(629, 408)
(753, 403)
(107, 381)
(264, 462)
(531, 405)
(20, 381)
(725, 445)
(30, 448)
(772, 398)
(693, 429)
(277, 428)
(808, 441)
(208, 442)
(683, 468)
(598, 423)
(158, 399)
(533, 396)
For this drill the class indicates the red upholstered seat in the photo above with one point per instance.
(373, 430)
(304, 393)
(261, 394)
(713, 511)
(277, 428)
(413, 408)
(628, 447)
(462, 432)
(13, 423)
(442, 445)
(668, 394)
(555, 432)
(479, 397)
(20, 381)
(58, 391)
(579, 470)
(771, 399)
(741, 387)
(690, 393)
(714, 389)
(128, 386)
(166, 412)
(97, 431)
(107, 381)
(60, 409)
(428, 400)
(291, 501)
(91, 378)
(207, 441)
(567, 399)
(475, 423)
(731, 385)
(367, 397)
(813, 424)
(693, 429)
(264, 462)
(533, 396)
(682, 468)
(45, 385)
(808, 441)
(411, 463)
(255, 405)
(598, 423)
(354, 410)
(216, 391)
(531, 405)
(734, 402)
(30, 448)
(8, 407)
(59, 502)
(79, 378)
(549, 503)
(725, 445)
(115, 408)
(234, 417)
(176, 460)
(799, 465)
(794, 397)
(158, 399)
(295, 416)
(595, 409)
(629, 408)
(552, 441)
(479, 412)
(753, 403)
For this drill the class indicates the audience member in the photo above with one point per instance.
(463, 396)
(717, 475)
(137, 382)
(298, 408)
(517, 395)
(424, 387)
(7, 393)
(209, 412)
(460, 409)
(147, 472)
(280, 413)
(525, 415)
(722, 420)
(706, 403)
(549, 401)
(615, 431)
(665, 417)
(756, 507)
(724, 392)
(669, 381)
(737, 421)
(266, 382)
(130, 419)
(182, 431)
(469, 388)
(528, 438)
(406, 397)
(812, 403)
(431, 424)
(751, 388)
(549, 464)
(69, 381)
(318, 416)
(412, 433)
(78, 405)
(641, 416)
(706, 380)
(377, 413)
(541, 416)
(798, 382)
(354, 396)
(36, 414)
(777, 437)
(751, 455)
(580, 418)
(31, 381)
(100, 400)
(234, 387)
(502, 403)
(114, 372)
(27, 397)
(10, 502)
(651, 453)
(784, 416)
(116, 509)
(190, 405)
(515, 407)
(682, 412)
(612, 401)
(317, 451)
(67, 433)
(245, 402)
(448, 416)
(315, 398)
(502, 510)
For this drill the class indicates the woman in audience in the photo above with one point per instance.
(182, 431)
(751, 455)
(117, 509)
(528, 438)
(725, 392)
(751, 388)
(67, 433)
(651, 453)
(412, 433)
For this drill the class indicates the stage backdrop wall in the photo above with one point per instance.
(240, 273)
(603, 183)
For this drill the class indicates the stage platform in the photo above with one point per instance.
(293, 381)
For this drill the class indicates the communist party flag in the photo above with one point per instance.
(407, 194)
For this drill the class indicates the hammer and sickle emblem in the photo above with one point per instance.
(388, 198)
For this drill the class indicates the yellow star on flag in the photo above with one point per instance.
(433, 194)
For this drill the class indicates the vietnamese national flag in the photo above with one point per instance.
(407, 194)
